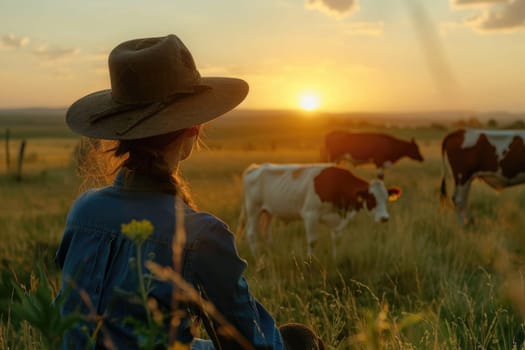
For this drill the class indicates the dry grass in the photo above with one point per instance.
(418, 282)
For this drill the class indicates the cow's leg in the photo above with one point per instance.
(380, 173)
(310, 220)
(460, 198)
(381, 169)
(265, 224)
(336, 240)
(337, 225)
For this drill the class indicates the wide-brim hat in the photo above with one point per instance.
(155, 89)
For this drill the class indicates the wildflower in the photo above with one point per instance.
(179, 346)
(137, 231)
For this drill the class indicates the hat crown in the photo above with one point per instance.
(151, 70)
(155, 89)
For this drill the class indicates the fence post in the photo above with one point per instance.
(20, 160)
(7, 160)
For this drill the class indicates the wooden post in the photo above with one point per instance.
(7, 160)
(20, 160)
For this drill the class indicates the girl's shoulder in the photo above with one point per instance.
(204, 220)
(205, 226)
(86, 198)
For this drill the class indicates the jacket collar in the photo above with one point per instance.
(140, 181)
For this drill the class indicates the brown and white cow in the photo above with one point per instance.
(494, 156)
(365, 148)
(313, 193)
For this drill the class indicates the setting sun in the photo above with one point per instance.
(309, 101)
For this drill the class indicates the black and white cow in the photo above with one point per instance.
(495, 156)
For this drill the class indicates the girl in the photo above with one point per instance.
(154, 110)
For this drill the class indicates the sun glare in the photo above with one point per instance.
(309, 101)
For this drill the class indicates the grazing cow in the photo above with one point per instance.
(365, 148)
(495, 156)
(315, 193)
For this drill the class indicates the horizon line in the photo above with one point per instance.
(315, 112)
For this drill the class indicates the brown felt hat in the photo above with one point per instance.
(155, 89)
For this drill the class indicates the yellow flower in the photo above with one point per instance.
(137, 230)
(179, 346)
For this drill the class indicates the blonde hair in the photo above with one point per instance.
(98, 161)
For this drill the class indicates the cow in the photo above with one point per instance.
(364, 148)
(494, 156)
(313, 193)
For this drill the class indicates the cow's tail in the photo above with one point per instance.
(443, 193)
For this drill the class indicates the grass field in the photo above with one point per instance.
(420, 281)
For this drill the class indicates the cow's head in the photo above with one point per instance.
(376, 197)
(413, 151)
(347, 192)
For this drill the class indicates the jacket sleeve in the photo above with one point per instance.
(63, 248)
(217, 274)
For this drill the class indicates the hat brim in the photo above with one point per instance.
(223, 95)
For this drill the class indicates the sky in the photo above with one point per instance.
(353, 55)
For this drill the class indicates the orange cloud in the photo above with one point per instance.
(495, 15)
(476, 2)
(13, 41)
(365, 28)
(53, 54)
(337, 8)
(508, 17)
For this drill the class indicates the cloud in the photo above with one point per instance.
(13, 41)
(98, 61)
(459, 3)
(364, 28)
(337, 8)
(495, 15)
(508, 17)
(54, 54)
(101, 56)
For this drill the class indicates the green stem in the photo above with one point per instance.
(143, 293)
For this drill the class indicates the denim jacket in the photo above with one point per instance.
(96, 258)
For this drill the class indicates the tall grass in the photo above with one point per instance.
(420, 281)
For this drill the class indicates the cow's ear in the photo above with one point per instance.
(394, 193)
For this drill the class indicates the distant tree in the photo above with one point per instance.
(474, 122)
(460, 124)
(471, 122)
(518, 124)
(492, 123)
(438, 126)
